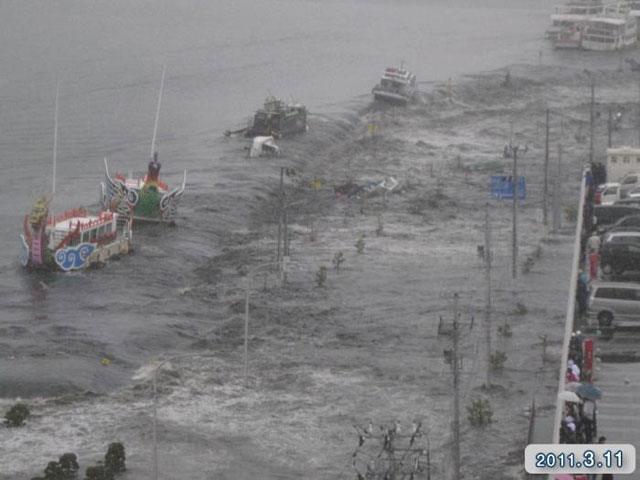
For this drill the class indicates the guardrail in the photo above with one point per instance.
(569, 319)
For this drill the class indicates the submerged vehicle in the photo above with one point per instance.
(396, 85)
(72, 240)
(148, 198)
(277, 119)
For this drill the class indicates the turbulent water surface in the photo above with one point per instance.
(223, 58)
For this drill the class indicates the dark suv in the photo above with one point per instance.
(630, 223)
(620, 252)
(607, 215)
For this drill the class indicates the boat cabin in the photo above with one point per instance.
(137, 183)
(77, 226)
(396, 78)
(278, 118)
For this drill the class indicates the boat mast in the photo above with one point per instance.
(155, 127)
(55, 141)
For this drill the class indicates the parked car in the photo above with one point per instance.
(607, 194)
(620, 252)
(633, 193)
(629, 202)
(630, 223)
(607, 215)
(611, 301)
(628, 183)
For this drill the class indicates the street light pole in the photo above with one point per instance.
(456, 396)
(546, 171)
(514, 237)
(592, 120)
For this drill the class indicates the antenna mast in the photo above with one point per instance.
(155, 127)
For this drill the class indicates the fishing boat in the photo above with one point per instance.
(148, 198)
(74, 239)
(615, 29)
(278, 119)
(396, 85)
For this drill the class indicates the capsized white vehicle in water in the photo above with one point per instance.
(263, 146)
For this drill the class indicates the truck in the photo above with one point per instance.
(620, 161)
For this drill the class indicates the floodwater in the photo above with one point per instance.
(223, 57)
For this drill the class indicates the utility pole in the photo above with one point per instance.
(609, 129)
(245, 356)
(487, 260)
(556, 193)
(592, 119)
(514, 246)
(545, 204)
(281, 199)
(285, 236)
(456, 393)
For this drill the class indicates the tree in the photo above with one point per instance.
(16, 415)
(480, 412)
(338, 260)
(360, 244)
(115, 457)
(321, 276)
(69, 464)
(53, 472)
(98, 472)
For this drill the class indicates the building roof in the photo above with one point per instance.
(623, 151)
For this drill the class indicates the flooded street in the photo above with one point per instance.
(363, 348)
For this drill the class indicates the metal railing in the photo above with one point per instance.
(569, 319)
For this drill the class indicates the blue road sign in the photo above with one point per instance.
(502, 187)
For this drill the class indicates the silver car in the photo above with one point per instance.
(611, 301)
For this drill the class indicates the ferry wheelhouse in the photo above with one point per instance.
(396, 85)
(72, 240)
(615, 29)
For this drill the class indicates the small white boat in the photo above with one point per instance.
(396, 85)
(615, 29)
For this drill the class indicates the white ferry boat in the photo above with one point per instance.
(615, 29)
(570, 18)
(396, 85)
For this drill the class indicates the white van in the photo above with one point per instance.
(614, 301)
